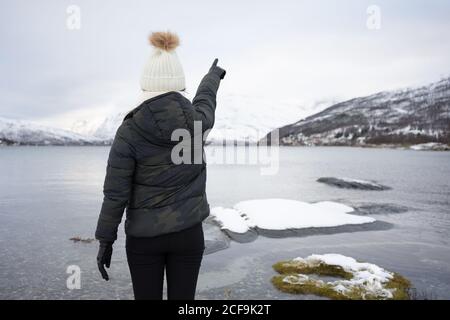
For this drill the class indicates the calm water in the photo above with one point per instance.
(50, 194)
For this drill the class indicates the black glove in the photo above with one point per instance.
(217, 70)
(104, 258)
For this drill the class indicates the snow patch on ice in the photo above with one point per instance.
(230, 219)
(282, 214)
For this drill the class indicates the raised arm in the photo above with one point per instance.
(204, 102)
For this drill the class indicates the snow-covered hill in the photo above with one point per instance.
(409, 116)
(108, 127)
(85, 127)
(29, 133)
(238, 118)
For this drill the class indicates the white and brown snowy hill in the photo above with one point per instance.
(401, 117)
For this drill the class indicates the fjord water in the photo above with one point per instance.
(50, 194)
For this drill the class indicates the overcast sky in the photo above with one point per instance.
(299, 50)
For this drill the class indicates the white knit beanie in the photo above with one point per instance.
(163, 71)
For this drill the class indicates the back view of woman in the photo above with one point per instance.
(165, 199)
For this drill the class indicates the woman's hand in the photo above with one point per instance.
(218, 70)
(104, 258)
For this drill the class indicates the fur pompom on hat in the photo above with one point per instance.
(164, 40)
(163, 71)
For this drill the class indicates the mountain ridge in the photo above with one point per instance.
(400, 117)
(238, 118)
(21, 132)
(409, 116)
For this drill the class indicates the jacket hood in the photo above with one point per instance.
(158, 117)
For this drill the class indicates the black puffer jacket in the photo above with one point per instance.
(160, 196)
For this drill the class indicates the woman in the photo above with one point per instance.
(165, 199)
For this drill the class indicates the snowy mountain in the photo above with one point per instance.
(28, 133)
(410, 116)
(238, 118)
(402, 117)
(85, 127)
(246, 118)
(107, 129)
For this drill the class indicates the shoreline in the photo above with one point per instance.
(442, 148)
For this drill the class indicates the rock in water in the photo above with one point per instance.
(379, 208)
(346, 183)
(83, 240)
(215, 239)
(356, 280)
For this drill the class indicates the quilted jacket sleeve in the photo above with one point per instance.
(204, 102)
(117, 186)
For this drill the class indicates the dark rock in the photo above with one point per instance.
(352, 184)
(304, 232)
(215, 239)
(83, 240)
(381, 208)
(248, 236)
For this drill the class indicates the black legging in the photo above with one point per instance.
(180, 253)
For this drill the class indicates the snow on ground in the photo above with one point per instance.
(282, 214)
(430, 146)
(367, 276)
(410, 130)
(230, 219)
